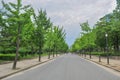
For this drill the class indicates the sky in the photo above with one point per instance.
(71, 13)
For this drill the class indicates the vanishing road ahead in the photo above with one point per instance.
(66, 67)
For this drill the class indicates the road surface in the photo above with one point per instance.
(66, 67)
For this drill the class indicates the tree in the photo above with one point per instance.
(85, 27)
(86, 41)
(15, 22)
(115, 29)
(27, 34)
(110, 27)
(55, 41)
(42, 24)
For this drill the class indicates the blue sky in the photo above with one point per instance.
(70, 13)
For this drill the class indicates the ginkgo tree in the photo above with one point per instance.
(86, 42)
(55, 41)
(15, 21)
(42, 25)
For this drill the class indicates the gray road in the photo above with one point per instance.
(67, 67)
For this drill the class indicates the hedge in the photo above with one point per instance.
(105, 53)
(7, 57)
(11, 57)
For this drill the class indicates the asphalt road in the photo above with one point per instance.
(66, 67)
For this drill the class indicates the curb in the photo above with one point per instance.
(103, 65)
(25, 69)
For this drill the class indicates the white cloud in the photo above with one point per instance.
(71, 13)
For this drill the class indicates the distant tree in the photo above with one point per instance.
(42, 24)
(85, 27)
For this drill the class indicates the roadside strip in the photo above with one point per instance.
(23, 69)
(106, 65)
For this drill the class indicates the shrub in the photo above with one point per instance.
(7, 57)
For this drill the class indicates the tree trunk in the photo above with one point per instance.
(17, 52)
(53, 54)
(116, 43)
(54, 50)
(17, 48)
(56, 53)
(32, 49)
(40, 52)
(39, 57)
(49, 53)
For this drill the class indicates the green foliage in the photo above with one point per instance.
(14, 22)
(85, 27)
(7, 57)
(24, 32)
(86, 40)
(55, 40)
(95, 39)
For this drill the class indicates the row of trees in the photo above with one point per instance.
(22, 30)
(95, 39)
(86, 39)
